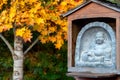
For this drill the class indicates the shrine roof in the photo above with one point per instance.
(107, 4)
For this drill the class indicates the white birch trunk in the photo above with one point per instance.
(18, 58)
(18, 55)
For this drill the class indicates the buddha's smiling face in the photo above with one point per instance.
(99, 38)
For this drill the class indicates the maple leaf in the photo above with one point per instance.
(39, 20)
(52, 29)
(27, 35)
(64, 3)
(44, 32)
(52, 39)
(9, 26)
(43, 39)
(65, 28)
(59, 44)
(20, 31)
(12, 13)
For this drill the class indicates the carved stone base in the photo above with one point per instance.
(76, 78)
(92, 76)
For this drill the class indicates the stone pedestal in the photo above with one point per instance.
(96, 79)
(90, 76)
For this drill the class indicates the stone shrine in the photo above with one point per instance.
(94, 41)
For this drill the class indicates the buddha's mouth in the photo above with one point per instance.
(99, 41)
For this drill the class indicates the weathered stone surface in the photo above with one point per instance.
(96, 46)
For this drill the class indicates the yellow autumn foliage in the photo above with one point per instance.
(20, 32)
(2, 2)
(25, 33)
(43, 16)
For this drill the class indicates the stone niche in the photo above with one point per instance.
(96, 48)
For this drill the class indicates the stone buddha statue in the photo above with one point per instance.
(98, 53)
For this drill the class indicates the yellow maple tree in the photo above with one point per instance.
(28, 16)
(43, 16)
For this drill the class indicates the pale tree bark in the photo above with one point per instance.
(18, 58)
(37, 39)
(7, 43)
(18, 55)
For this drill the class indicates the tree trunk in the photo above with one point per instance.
(18, 58)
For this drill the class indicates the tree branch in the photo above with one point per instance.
(31, 46)
(7, 43)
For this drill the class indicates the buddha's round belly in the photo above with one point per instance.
(99, 52)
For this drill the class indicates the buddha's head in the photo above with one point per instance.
(99, 38)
